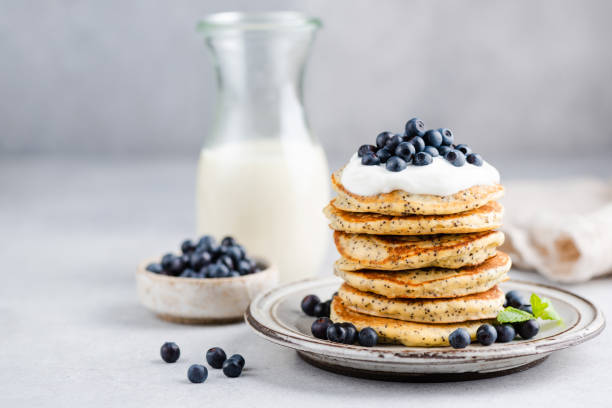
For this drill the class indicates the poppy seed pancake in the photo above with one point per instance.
(487, 217)
(402, 203)
(479, 306)
(392, 252)
(430, 282)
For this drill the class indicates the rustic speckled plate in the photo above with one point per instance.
(276, 315)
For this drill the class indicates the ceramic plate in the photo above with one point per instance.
(276, 315)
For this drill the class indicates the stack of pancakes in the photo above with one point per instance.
(416, 267)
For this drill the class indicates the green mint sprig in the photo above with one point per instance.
(513, 315)
(542, 308)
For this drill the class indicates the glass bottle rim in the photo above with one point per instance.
(259, 21)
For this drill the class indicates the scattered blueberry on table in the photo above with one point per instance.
(392, 149)
(170, 352)
(232, 368)
(197, 373)
(206, 259)
(216, 357)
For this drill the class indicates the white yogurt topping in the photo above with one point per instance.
(438, 178)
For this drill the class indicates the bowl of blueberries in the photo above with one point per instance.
(207, 282)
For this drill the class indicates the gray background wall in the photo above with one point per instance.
(133, 78)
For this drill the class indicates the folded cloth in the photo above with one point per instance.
(562, 228)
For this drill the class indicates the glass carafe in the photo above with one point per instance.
(263, 177)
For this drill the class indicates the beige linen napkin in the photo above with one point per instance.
(561, 228)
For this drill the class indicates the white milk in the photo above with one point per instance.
(269, 196)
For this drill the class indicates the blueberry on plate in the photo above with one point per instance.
(422, 159)
(515, 299)
(239, 359)
(455, 157)
(526, 308)
(322, 309)
(154, 267)
(460, 338)
(443, 150)
(370, 159)
(170, 352)
(383, 154)
(319, 327)
(215, 357)
(336, 333)
(232, 368)
(527, 329)
(228, 241)
(432, 138)
(367, 337)
(463, 148)
(393, 142)
(188, 246)
(505, 333)
(197, 373)
(383, 138)
(418, 143)
(351, 332)
(475, 159)
(486, 334)
(396, 164)
(366, 148)
(415, 127)
(447, 136)
(432, 151)
(405, 151)
(309, 303)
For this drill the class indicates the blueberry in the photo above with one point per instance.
(228, 241)
(486, 334)
(244, 267)
(405, 151)
(215, 357)
(396, 164)
(367, 337)
(447, 136)
(393, 142)
(198, 260)
(239, 359)
(528, 329)
(166, 261)
(154, 267)
(351, 332)
(236, 253)
(475, 159)
(188, 273)
(383, 138)
(170, 352)
(463, 148)
(455, 157)
(234, 274)
(422, 159)
(197, 373)
(336, 333)
(370, 159)
(432, 138)
(460, 338)
(309, 303)
(176, 266)
(227, 261)
(443, 150)
(206, 243)
(231, 368)
(515, 299)
(319, 327)
(188, 246)
(363, 149)
(432, 151)
(505, 333)
(185, 258)
(322, 309)
(415, 127)
(526, 308)
(383, 154)
(418, 143)
(218, 270)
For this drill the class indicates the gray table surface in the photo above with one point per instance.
(73, 332)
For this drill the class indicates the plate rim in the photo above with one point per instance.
(425, 355)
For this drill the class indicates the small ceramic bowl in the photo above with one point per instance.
(200, 300)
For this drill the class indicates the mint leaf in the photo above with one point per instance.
(543, 308)
(513, 315)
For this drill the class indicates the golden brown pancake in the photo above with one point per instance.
(403, 203)
(392, 253)
(398, 331)
(430, 282)
(484, 218)
(479, 306)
